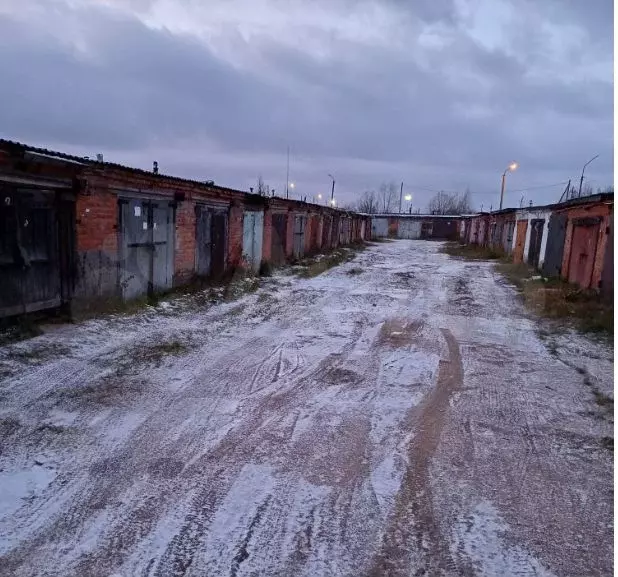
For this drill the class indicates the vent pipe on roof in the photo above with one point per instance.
(155, 167)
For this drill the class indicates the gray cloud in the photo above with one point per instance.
(444, 117)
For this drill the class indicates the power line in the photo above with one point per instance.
(539, 186)
(535, 187)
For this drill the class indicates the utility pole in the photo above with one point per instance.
(400, 196)
(332, 192)
(565, 194)
(287, 176)
(581, 180)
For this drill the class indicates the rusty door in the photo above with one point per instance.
(218, 245)
(210, 227)
(583, 251)
(536, 235)
(520, 241)
(278, 238)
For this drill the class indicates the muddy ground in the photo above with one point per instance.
(409, 418)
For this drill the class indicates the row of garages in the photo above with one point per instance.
(415, 226)
(79, 232)
(572, 240)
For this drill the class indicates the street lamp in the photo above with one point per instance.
(332, 192)
(408, 198)
(333, 202)
(511, 167)
(581, 180)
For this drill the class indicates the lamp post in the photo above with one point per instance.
(408, 198)
(511, 167)
(581, 180)
(332, 192)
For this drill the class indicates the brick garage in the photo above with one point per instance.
(108, 202)
(587, 233)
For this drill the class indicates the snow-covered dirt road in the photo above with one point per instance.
(398, 415)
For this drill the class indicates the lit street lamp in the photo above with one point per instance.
(333, 202)
(511, 167)
(408, 198)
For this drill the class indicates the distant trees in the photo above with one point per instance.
(368, 203)
(385, 200)
(262, 189)
(388, 197)
(450, 203)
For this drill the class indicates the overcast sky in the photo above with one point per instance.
(442, 94)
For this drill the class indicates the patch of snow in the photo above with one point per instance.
(481, 536)
(21, 485)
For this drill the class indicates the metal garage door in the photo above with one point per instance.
(147, 247)
(210, 235)
(379, 227)
(252, 233)
(278, 238)
(536, 235)
(409, 228)
(300, 222)
(554, 250)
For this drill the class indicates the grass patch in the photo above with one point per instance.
(153, 354)
(557, 299)
(19, 329)
(314, 266)
(107, 391)
(39, 353)
(471, 252)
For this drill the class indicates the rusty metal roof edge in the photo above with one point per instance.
(73, 159)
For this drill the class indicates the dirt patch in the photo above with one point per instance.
(399, 333)
(335, 455)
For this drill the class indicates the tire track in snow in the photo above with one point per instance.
(413, 523)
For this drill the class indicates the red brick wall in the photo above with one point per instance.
(596, 210)
(319, 223)
(267, 238)
(184, 249)
(96, 216)
(234, 247)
